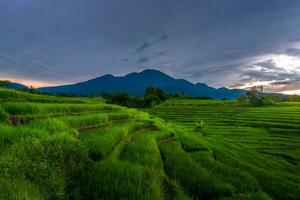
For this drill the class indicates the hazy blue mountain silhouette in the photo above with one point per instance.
(136, 83)
(17, 86)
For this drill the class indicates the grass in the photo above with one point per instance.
(194, 178)
(143, 150)
(100, 143)
(81, 148)
(112, 180)
(256, 150)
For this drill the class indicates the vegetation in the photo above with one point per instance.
(153, 96)
(250, 151)
(254, 97)
(293, 98)
(4, 83)
(82, 148)
(33, 90)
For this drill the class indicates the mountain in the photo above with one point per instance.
(136, 83)
(17, 86)
(12, 85)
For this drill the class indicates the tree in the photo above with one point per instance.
(33, 90)
(156, 92)
(151, 100)
(255, 97)
(4, 83)
(243, 100)
(153, 96)
(293, 97)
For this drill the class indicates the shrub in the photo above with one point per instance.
(123, 99)
(151, 100)
(33, 90)
(200, 125)
(293, 97)
(254, 97)
(267, 99)
(243, 100)
(4, 83)
(153, 96)
(151, 91)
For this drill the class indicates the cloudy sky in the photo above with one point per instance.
(233, 43)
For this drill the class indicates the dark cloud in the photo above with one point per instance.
(289, 82)
(146, 59)
(145, 45)
(125, 60)
(163, 37)
(263, 74)
(209, 41)
(268, 64)
(293, 52)
(142, 60)
(142, 47)
(238, 85)
(159, 54)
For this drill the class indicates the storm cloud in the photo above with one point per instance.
(220, 42)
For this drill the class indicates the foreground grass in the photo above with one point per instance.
(255, 150)
(81, 148)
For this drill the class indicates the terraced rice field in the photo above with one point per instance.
(81, 148)
(248, 148)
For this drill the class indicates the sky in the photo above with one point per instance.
(232, 43)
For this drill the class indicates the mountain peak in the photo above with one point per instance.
(151, 71)
(136, 83)
(107, 76)
(154, 73)
(202, 84)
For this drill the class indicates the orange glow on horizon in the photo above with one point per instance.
(33, 83)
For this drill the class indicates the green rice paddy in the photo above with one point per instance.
(81, 148)
(254, 150)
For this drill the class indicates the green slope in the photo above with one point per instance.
(81, 148)
(252, 149)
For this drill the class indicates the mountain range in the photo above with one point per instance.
(136, 83)
(12, 85)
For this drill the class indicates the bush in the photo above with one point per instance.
(33, 90)
(243, 100)
(151, 100)
(200, 126)
(151, 91)
(254, 97)
(293, 98)
(152, 97)
(4, 83)
(123, 99)
(267, 99)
